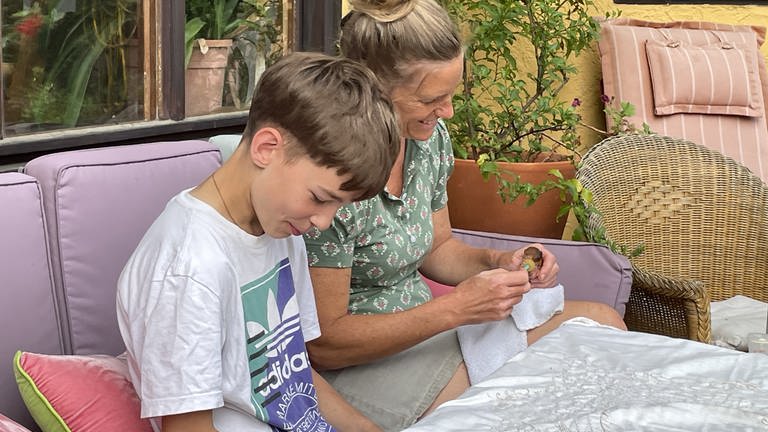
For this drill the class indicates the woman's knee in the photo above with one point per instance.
(600, 312)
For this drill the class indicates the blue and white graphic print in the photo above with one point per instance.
(283, 394)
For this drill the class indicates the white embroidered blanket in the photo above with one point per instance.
(588, 377)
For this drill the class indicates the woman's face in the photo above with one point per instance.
(425, 96)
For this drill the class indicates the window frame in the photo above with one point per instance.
(164, 105)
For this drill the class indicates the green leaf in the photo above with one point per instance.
(191, 29)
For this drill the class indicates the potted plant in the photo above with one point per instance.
(210, 30)
(511, 129)
(253, 50)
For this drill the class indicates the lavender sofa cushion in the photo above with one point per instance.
(587, 271)
(98, 204)
(8, 425)
(27, 307)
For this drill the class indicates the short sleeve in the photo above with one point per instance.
(334, 247)
(180, 373)
(441, 152)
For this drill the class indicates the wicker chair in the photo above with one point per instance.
(702, 217)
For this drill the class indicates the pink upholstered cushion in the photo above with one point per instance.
(8, 425)
(627, 77)
(79, 393)
(720, 78)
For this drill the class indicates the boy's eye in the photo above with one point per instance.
(317, 199)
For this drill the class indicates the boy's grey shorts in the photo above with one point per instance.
(395, 391)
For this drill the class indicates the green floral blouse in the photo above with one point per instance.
(384, 239)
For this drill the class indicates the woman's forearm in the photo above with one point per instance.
(357, 339)
(451, 261)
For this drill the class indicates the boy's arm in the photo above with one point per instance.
(197, 421)
(339, 413)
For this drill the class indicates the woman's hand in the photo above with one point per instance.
(545, 277)
(488, 296)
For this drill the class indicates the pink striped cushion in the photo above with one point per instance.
(721, 78)
(627, 77)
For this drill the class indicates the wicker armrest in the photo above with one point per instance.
(668, 306)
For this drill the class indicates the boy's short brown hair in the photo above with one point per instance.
(333, 110)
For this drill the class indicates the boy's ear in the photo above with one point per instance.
(265, 145)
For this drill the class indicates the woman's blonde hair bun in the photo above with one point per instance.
(383, 10)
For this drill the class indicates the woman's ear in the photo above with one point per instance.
(266, 143)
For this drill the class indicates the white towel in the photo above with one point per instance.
(487, 346)
(734, 318)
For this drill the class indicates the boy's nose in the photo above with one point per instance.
(322, 219)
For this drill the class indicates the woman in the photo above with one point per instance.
(386, 345)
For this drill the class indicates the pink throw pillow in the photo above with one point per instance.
(716, 78)
(69, 393)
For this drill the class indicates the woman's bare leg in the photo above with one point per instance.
(599, 312)
(456, 386)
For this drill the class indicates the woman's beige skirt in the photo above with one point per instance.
(395, 391)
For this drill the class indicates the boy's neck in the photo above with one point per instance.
(231, 199)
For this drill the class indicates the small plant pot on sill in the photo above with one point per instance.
(204, 79)
(475, 204)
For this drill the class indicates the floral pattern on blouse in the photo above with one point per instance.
(384, 239)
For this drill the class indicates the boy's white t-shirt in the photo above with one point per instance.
(215, 318)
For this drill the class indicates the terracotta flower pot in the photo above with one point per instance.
(475, 204)
(204, 80)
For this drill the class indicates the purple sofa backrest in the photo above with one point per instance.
(588, 271)
(98, 204)
(28, 317)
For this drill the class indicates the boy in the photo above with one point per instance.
(215, 304)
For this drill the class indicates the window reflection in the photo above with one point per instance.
(228, 45)
(79, 63)
(69, 63)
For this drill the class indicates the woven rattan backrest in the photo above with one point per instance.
(700, 214)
